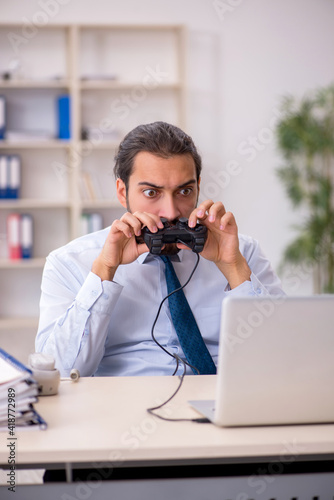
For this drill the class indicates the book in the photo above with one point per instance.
(14, 236)
(84, 224)
(64, 117)
(13, 136)
(99, 76)
(10, 176)
(11, 369)
(26, 236)
(2, 116)
(18, 393)
(95, 222)
(91, 223)
(90, 187)
(4, 181)
(14, 176)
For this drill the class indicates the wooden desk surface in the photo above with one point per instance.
(99, 420)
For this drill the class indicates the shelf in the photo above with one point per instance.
(117, 76)
(34, 84)
(99, 145)
(85, 204)
(37, 263)
(44, 144)
(24, 203)
(117, 85)
(129, 27)
(18, 323)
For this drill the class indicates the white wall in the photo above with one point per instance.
(243, 56)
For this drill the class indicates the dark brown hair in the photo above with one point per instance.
(158, 138)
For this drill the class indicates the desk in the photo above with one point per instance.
(102, 422)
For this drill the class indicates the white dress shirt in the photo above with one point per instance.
(104, 328)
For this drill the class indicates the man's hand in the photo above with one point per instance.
(120, 246)
(222, 244)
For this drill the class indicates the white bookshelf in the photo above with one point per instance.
(115, 75)
(48, 144)
(23, 204)
(34, 84)
(35, 263)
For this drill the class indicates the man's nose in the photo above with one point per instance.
(169, 209)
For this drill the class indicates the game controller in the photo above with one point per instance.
(180, 232)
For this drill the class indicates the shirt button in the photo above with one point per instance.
(94, 293)
(259, 291)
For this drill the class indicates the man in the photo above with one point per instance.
(101, 292)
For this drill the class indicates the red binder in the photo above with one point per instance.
(14, 236)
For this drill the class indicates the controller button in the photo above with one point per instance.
(165, 223)
(155, 250)
(200, 241)
(183, 221)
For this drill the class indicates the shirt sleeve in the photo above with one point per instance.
(75, 313)
(263, 280)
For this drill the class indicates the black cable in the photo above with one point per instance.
(177, 358)
(159, 310)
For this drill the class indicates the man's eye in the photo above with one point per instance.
(186, 191)
(150, 193)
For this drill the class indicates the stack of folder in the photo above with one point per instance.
(18, 393)
(20, 236)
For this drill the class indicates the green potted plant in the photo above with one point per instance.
(305, 134)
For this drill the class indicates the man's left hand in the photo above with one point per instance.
(222, 244)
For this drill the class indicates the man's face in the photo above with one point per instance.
(164, 187)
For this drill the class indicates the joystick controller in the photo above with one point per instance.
(180, 232)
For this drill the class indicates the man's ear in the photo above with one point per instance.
(121, 192)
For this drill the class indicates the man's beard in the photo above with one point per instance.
(170, 249)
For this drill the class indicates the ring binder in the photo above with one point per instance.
(14, 176)
(2, 116)
(16, 379)
(4, 177)
(14, 236)
(64, 125)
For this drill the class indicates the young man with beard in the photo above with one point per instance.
(101, 292)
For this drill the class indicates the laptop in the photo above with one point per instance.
(276, 362)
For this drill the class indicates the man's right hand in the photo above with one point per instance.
(120, 246)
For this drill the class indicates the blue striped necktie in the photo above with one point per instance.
(190, 337)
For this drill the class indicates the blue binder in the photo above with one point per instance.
(64, 117)
(14, 176)
(4, 177)
(17, 380)
(26, 236)
(2, 116)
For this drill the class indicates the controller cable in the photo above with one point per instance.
(178, 361)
